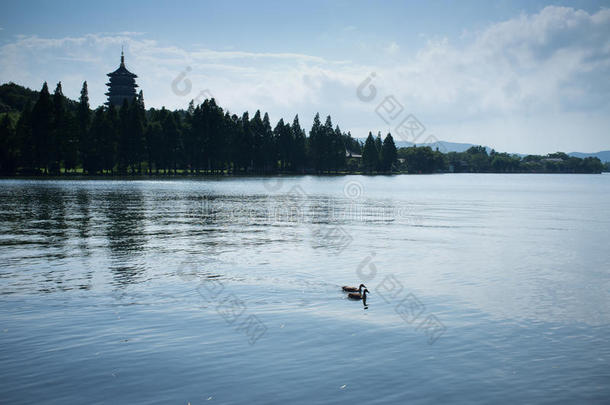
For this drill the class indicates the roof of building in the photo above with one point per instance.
(122, 70)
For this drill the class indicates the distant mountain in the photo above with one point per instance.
(445, 147)
(604, 155)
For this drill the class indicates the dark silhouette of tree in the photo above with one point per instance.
(154, 146)
(337, 149)
(246, 145)
(171, 144)
(269, 146)
(285, 141)
(42, 119)
(370, 154)
(8, 147)
(93, 164)
(58, 132)
(316, 144)
(299, 153)
(107, 144)
(388, 153)
(378, 146)
(25, 140)
(83, 118)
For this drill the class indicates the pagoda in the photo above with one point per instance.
(122, 85)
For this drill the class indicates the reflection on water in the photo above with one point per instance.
(126, 234)
(106, 286)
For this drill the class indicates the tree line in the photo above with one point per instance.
(477, 159)
(51, 134)
(54, 135)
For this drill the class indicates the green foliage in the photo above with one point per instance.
(13, 98)
(420, 160)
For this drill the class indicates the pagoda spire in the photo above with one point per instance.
(122, 57)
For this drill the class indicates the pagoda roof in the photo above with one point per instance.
(122, 70)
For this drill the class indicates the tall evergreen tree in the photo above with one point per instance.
(299, 152)
(42, 120)
(327, 145)
(171, 145)
(338, 150)
(83, 119)
(269, 147)
(257, 129)
(93, 164)
(388, 153)
(316, 143)
(378, 146)
(8, 146)
(108, 138)
(154, 146)
(370, 155)
(246, 148)
(59, 129)
(124, 143)
(25, 140)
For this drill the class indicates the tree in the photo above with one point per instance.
(25, 140)
(299, 152)
(93, 163)
(419, 160)
(370, 155)
(83, 118)
(316, 143)
(171, 142)
(154, 146)
(269, 146)
(388, 153)
(124, 152)
(337, 149)
(42, 118)
(478, 159)
(8, 147)
(378, 146)
(58, 132)
(285, 144)
(137, 123)
(108, 136)
(245, 157)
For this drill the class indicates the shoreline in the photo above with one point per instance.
(244, 175)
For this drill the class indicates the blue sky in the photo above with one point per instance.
(520, 76)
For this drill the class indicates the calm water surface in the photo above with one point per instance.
(484, 288)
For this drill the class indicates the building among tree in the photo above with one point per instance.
(122, 85)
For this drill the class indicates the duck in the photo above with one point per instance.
(357, 295)
(353, 289)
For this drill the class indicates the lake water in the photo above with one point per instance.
(483, 289)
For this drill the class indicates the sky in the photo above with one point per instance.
(519, 76)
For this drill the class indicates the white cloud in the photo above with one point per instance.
(529, 70)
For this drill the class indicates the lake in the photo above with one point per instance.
(482, 288)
